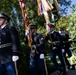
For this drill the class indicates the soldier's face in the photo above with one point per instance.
(1, 21)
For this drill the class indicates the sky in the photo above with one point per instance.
(69, 9)
(73, 1)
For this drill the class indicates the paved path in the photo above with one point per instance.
(70, 72)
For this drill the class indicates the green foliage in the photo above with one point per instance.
(63, 22)
(23, 63)
(72, 25)
(69, 22)
(12, 8)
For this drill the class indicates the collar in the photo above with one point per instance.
(3, 26)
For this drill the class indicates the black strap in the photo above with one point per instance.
(2, 23)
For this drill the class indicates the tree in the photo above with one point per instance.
(12, 8)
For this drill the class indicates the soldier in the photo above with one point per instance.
(66, 46)
(9, 46)
(37, 51)
(56, 46)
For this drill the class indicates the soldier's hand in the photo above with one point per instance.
(26, 32)
(15, 58)
(41, 56)
(70, 49)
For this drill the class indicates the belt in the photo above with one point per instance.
(5, 45)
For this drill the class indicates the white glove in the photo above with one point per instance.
(41, 56)
(63, 50)
(15, 58)
(70, 48)
(26, 32)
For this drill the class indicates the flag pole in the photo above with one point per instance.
(23, 8)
